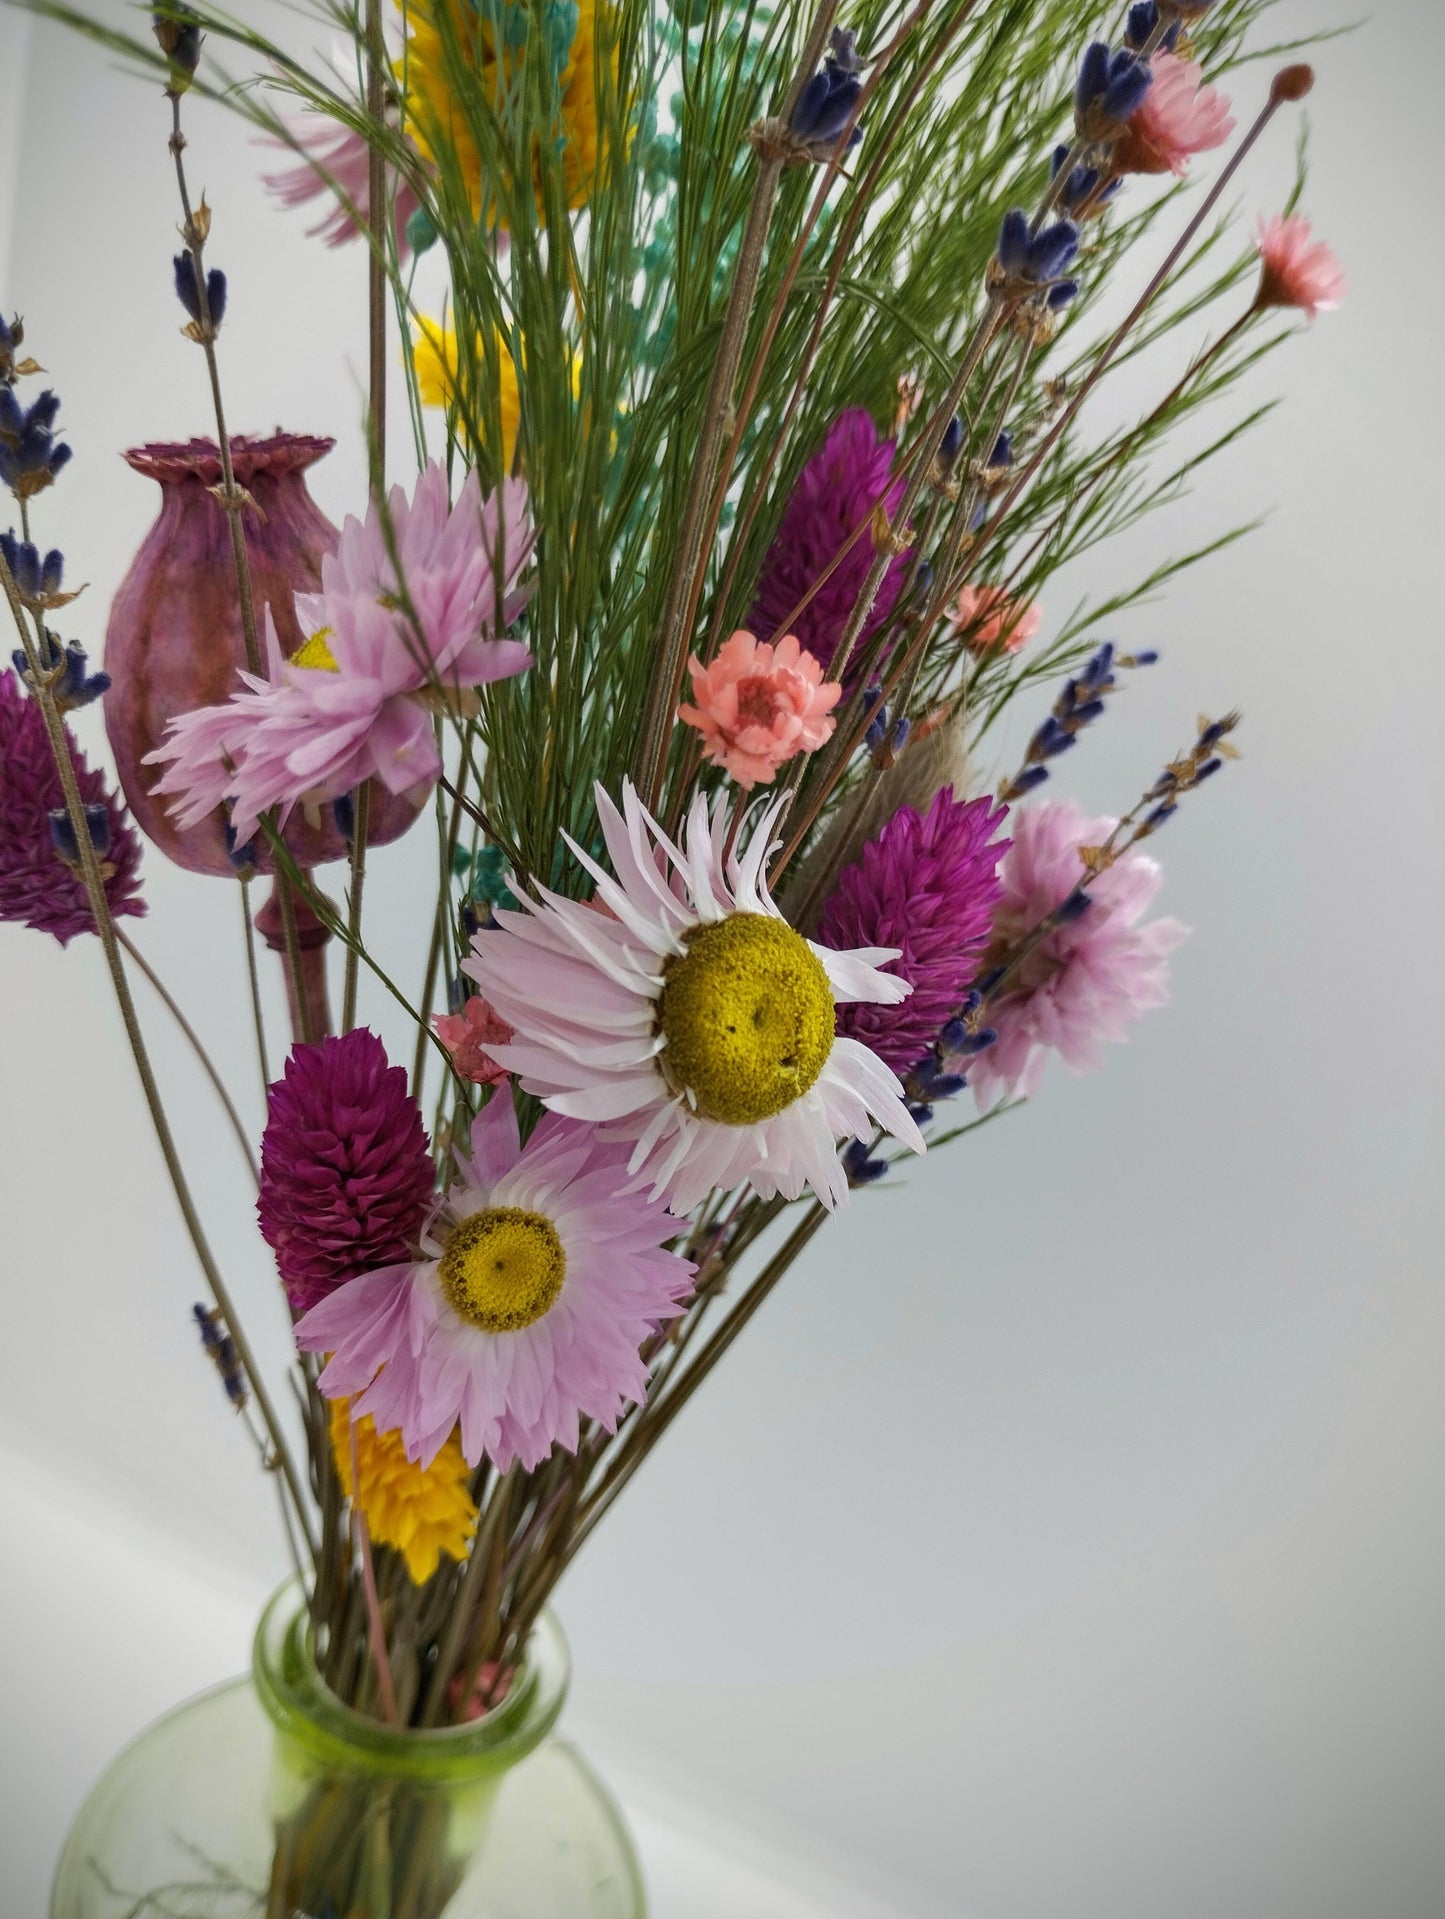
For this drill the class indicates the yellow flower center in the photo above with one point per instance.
(503, 1268)
(316, 653)
(747, 1015)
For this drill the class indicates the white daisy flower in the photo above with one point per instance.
(688, 1017)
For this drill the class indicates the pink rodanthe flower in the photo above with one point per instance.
(757, 705)
(37, 887)
(927, 885)
(467, 1035)
(1179, 117)
(538, 1282)
(346, 1173)
(987, 619)
(356, 700)
(1090, 979)
(1297, 271)
(336, 162)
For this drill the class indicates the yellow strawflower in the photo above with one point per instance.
(422, 1511)
(434, 352)
(433, 121)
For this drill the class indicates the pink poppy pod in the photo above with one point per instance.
(174, 641)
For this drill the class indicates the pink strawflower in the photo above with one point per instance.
(847, 479)
(336, 165)
(1090, 979)
(346, 1174)
(1178, 117)
(356, 701)
(538, 1282)
(988, 619)
(1295, 271)
(927, 885)
(758, 705)
(37, 887)
(467, 1035)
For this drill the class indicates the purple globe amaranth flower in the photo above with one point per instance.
(847, 479)
(37, 887)
(929, 884)
(346, 1174)
(174, 641)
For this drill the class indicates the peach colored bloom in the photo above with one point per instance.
(467, 1035)
(1297, 273)
(1179, 117)
(758, 705)
(988, 619)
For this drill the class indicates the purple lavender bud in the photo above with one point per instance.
(1013, 242)
(1143, 19)
(1209, 768)
(1051, 250)
(343, 810)
(950, 446)
(862, 1169)
(1061, 293)
(1003, 450)
(1073, 908)
(1160, 814)
(186, 293)
(62, 832)
(1025, 782)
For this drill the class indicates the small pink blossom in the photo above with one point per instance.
(1296, 271)
(988, 619)
(1092, 977)
(1179, 117)
(758, 705)
(467, 1035)
(389, 641)
(336, 164)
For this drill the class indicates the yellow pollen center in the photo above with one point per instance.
(502, 1269)
(747, 1016)
(316, 653)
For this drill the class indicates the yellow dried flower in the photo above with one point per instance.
(422, 1511)
(433, 119)
(434, 353)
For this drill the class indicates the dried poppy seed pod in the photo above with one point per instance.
(174, 641)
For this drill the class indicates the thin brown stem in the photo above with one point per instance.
(110, 946)
(208, 1065)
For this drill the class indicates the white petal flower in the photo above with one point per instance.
(678, 1010)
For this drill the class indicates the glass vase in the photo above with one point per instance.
(269, 1799)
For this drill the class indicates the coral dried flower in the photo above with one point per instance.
(1178, 117)
(467, 1035)
(37, 887)
(422, 1511)
(346, 1176)
(1297, 270)
(928, 885)
(988, 619)
(757, 705)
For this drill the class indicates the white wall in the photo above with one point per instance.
(1065, 1542)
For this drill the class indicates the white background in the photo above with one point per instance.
(1065, 1541)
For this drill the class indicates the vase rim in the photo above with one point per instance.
(170, 461)
(305, 1710)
